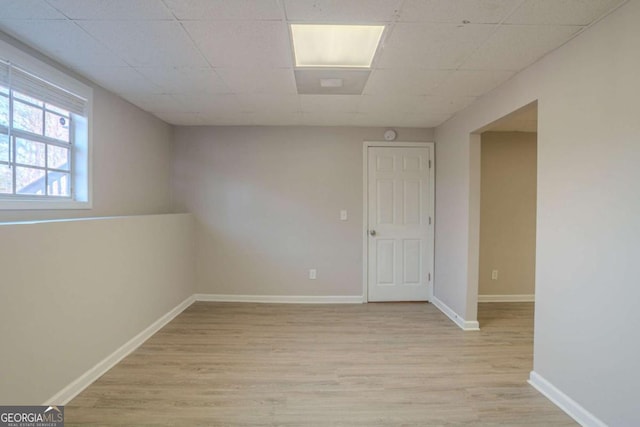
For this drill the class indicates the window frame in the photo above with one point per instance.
(80, 159)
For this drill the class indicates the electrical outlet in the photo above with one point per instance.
(494, 275)
(313, 274)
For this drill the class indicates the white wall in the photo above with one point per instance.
(131, 158)
(267, 202)
(588, 214)
(72, 292)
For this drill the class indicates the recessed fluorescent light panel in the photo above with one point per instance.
(351, 46)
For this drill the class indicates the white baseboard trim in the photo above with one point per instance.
(282, 299)
(564, 402)
(466, 325)
(506, 298)
(65, 395)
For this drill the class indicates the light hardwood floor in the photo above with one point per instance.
(227, 364)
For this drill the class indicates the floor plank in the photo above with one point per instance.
(391, 364)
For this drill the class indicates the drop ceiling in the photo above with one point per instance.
(229, 62)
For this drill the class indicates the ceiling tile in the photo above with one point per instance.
(121, 80)
(434, 120)
(28, 9)
(351, 11)
(258, 80)
(395, 103)
(430, 67)
(434, 46)
(269, 102)
(182, 119)
(472, 82)
(424, 106)
(185, 80)
(63, 41)
(225, 9)
(456, 11)
(112, 9)
(155, 102)
(147, 43)
(434, 105)
(242, 44)
(565, 12)
(334, 104)
(271, 118)
(230, 119)
(513, 47)
(362, 119)
(404, 81)
(352, 81)
(391, 119)
(222, 104)
(327, 118)
(419, 120)
(249, 119)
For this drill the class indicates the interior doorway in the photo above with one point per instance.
(507, 225)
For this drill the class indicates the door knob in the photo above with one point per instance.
(372, 232)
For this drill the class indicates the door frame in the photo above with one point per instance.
(365, 209)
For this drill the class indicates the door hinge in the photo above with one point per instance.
(429, 220)
(429, 277)
(429, 164)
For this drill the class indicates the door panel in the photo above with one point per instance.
(399, 206)
(386, 253)
(412, 202)
(412, 268)
(385, 202)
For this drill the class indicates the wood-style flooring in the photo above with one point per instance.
(405, 364)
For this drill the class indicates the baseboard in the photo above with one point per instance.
(282, 299)
(506, 298)
(65, 395)
(466, 325)
(564, 402)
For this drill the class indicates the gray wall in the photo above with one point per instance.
(508, 213)
(588, 213)
(131, 158)
(73, 292)
(267, 202)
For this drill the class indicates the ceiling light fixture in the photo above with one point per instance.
(349, 46)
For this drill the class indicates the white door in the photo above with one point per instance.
(399, 232)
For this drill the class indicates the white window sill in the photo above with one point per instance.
(31, 204)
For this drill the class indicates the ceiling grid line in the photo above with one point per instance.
(230, 62)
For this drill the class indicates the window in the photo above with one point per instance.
(43, 142)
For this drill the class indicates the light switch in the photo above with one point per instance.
(343, 215)
(313, 274)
